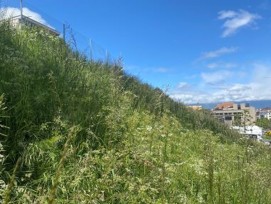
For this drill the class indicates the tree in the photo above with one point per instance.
(264, 123)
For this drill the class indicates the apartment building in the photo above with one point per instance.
(264, 113)
(235, 114)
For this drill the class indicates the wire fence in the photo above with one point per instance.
(78, 41)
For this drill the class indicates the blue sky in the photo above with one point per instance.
(197, 51)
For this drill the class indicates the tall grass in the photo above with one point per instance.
(86, 132)
(3, 129)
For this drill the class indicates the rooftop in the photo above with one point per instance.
(25, 20)
(224, 105)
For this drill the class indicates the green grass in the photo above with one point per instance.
(74, 131)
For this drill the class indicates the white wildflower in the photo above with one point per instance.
(149, 128)
(163, 135)
(2, 183)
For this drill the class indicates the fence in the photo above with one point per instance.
(77, 40)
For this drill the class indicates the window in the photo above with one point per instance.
(228, 118)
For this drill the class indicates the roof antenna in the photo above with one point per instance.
(21, 8)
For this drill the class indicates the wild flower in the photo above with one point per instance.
(149, 128)
(2, 187)
(198, 167)
(2, 183)
(163, 135)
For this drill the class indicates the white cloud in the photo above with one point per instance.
(234, 20)
(135, 69)
(256, 87)
(221, 65)
(218, 53)
(213, 65)
(9, 12)
(161, 70)
(189, 98)
(227, 14)
(183, 86)
(216, 77)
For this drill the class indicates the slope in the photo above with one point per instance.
(75, 131)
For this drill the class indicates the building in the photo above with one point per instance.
(264, 113)
(22, 20)
(253, 131)
(235, 114)
(195, 107)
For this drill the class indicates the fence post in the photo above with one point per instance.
(91, 50)
(64, 32)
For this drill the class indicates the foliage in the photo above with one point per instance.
(3, 129)
(86, 132)
(264, 123)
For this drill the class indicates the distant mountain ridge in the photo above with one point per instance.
(256, 104)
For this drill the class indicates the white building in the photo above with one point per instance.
(22, 20)
(264, 113)
(253, 131)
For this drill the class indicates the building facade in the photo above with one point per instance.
(253, 131)
(235, 114)
(21, 20)
(264, 113)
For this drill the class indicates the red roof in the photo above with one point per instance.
(224, 105)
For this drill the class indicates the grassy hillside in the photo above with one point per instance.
(74, 131)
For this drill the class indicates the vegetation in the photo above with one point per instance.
(264, 123)
(74, 131)
(268, 134)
